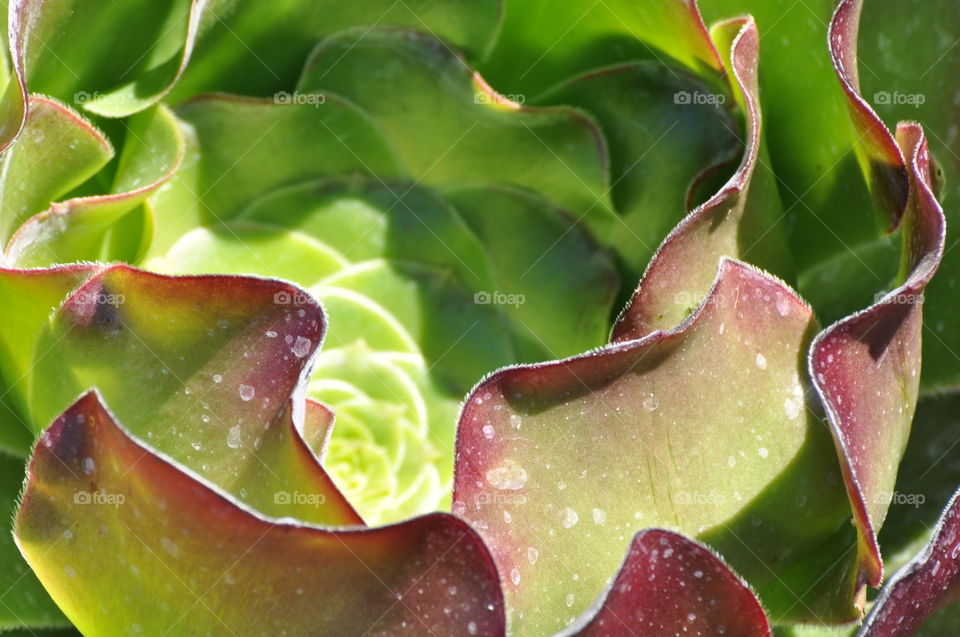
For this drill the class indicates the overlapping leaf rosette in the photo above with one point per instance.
(255, 256)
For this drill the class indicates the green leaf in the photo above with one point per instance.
(573, 37)
(57, 151)
(475, 135)
(78, 229)
(153, 548)
(240, 148)
(23, 601)
(257, 47)
(86, 52)
(665, 129)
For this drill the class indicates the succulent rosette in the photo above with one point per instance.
(486, 318)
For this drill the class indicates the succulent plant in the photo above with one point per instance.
(309, 318)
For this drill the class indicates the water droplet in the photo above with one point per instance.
(783, 305)
(509, 476)
(488, 432)
(515, 421)
(791, 407)
(459, 507)
(233, 437)
(761, 361)
(515, 577)
(569, 600)
(70, 571)
(271, 334)
(532, 555)
(569, 517)
(196, 446)
(763, 452)
(301, 347)
(247, 392)
(472, 628)
(217, 378)
(599, 516)
(650, 403)
(88, 465)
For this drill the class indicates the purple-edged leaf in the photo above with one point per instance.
(128, 541)
(876, 148)
(203, 369)
(76, 229)
(669, 585)
(732, 223)
(866, 367)
(664, 434)
(925, 585)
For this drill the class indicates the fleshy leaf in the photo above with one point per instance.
(77, 229)
(476, 135)
(732, 223)
(665, 129)
(929, 582)
(27, 297)
(572, 37)
(866, 366)
(62, 48)
(673, 404)
(669, 585)
(103, 517)
(201, 368)
(878, 151)
(57, 152)
(23, 601)
(239, 149)
(906, 50)
(252, 48)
